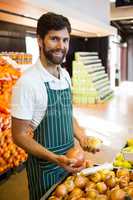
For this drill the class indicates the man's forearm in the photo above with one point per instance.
(32, 147)
(78, 131)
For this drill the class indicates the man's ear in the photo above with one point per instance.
(40, 41)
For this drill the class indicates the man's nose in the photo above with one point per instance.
(60, 44)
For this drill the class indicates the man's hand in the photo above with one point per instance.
(88, 144)
(68, 164)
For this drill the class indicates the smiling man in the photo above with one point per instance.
(42, 102)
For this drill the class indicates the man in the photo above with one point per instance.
(42, 101)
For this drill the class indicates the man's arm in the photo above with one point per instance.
(21, 138)
(78, 130)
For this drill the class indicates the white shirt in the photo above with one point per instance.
(29, 98)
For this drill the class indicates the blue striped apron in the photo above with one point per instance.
(55, 132)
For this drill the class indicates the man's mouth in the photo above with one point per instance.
(58, 53)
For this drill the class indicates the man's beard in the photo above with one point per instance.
(52, 57)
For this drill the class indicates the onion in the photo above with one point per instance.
(69, 184)
(77, 192)
(101, 197)
(76, 154)
(131, 176)
(61, 190)
(81, 181)
(92, 193)
(111, 182)
(117, 194)
(122, 172)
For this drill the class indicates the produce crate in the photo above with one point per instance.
(49, 192)
(88, 171)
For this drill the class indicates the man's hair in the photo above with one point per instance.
(51, 21)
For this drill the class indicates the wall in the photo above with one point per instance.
(130, 58)
(12, 37)
(123, 63)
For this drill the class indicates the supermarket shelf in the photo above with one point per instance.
(5, 175)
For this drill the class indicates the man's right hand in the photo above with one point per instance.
(68, 164)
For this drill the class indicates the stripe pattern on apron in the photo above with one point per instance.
(55, 132)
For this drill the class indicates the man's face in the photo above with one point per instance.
(56, 45)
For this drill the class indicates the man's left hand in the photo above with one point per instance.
(87, 144)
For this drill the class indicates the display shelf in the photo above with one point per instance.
(11, 155)
(7, 173)
(90, 81)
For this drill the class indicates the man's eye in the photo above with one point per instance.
(65, 40)
(54, 38)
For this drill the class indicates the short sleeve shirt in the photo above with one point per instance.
(29, 97)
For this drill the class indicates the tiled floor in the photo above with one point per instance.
(15, 188)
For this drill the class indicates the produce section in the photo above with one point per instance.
(102, 185)
(19, 57)
(10, 155)
(14, 156)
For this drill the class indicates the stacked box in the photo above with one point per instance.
(90, 81)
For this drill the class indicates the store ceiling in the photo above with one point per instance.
(122, 19)
(125, 26)
(26, 12)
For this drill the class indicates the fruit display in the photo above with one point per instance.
(130, 142)
(102, 185)
(125, 157)
(10, 155)
(19, 57)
